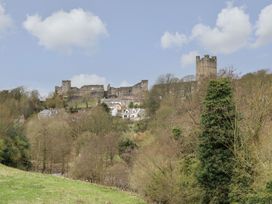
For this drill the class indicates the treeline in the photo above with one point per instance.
(16, 106)
(201, 143)
(86, 145)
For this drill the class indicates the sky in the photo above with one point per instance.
(122, 42)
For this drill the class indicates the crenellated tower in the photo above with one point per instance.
(66, 86)
(206, 67)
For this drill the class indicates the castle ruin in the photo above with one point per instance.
(133, 92)
(137, 91)
(206, 67)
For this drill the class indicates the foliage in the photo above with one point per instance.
(140, 126)
(105, 107)
(55, 101)
(126, 145)
(21, 102)
(177, 133)
(216, 142)
(126, 149)
(131, 105)
(163, 86)
(156, 157)
(1, 149)
(15, 106)
(51, 142)
(15, 150)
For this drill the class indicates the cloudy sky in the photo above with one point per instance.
(122, 42)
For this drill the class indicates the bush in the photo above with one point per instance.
(15, 149)
(175, 183)
(177, 133)
(117, 175)
(126, 148)
(140, 126)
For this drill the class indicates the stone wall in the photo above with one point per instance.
(137, 91)
(92, 91)
(97, 91)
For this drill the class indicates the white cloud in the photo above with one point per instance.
(88, 79)
(43, 92)
(189, 58)
(125, 83)
(264, 26)
(169, 40)
(232, 31)
(63, 31)
(5, 20)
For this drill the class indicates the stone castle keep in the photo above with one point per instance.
(97, 91)
(206, 67)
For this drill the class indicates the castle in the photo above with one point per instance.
(119, 100)
(206, 67)
(97, 91)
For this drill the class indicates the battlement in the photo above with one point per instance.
(66, 83)
(97, 91)
(136, 91)
(206, 67)
(206, 58)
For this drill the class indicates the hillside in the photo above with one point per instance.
(23, 187)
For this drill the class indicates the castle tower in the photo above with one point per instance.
(206, 67)
(66, 87)
(144, 85)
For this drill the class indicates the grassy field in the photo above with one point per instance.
(21, 187)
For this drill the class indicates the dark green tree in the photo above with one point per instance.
(177, 133)
(15, 150)
(216, 142)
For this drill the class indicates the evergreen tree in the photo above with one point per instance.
(15, 149)
(216, 142)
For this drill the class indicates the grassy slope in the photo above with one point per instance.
(23, 187)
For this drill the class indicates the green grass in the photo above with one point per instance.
(22, 187)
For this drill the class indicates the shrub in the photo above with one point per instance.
(126, 148)
(177, 133)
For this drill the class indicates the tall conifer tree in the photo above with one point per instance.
(216, 142)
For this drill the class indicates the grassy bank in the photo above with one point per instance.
(24, 187)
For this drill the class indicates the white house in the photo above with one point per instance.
(47, 113)
(133, 114)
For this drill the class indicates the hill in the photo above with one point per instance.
(21, 187)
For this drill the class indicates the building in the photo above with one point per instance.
(67, 91)
(117, 105)
(47, 113)
(135, 92)
(134, 114)
(206, 67)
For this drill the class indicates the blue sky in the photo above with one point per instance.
(122, 42)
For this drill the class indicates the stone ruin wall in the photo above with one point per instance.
(137, 91)
(97, 91)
